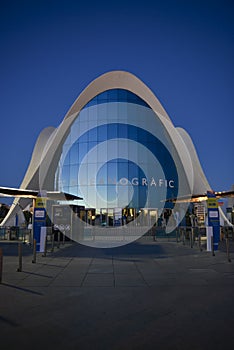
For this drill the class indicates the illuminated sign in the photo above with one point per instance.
(212, 203)
(135, 181)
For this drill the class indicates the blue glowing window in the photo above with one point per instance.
(116, 95)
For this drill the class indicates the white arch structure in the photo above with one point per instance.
(41, 170)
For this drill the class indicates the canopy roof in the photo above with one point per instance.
(24, 193)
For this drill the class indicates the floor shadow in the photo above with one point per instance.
(133, 250)
(11, 249)
(21, 289)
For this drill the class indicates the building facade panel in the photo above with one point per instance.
(117, 154)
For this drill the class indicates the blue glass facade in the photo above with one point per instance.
(118, 155)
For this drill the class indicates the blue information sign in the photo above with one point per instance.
(38, 223)
(213, 217)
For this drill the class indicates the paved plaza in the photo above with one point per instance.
(144, 295)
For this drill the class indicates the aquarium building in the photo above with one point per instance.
(119, 151)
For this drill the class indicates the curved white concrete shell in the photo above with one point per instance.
(46, 156)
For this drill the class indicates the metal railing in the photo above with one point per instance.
(14, 233)
(197, 237)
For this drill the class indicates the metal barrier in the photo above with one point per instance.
(4, 233)
(34, 251)
(49, 241)
(197, 235)
(191, 235)
(160, 232)
(227, 232)
(14, 233)
(20, 257)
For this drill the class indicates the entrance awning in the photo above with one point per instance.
(33, 194)
(200, 197)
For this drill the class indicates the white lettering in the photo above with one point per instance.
(161, 182)
(135, 181)
(123, 181)
(171, 184)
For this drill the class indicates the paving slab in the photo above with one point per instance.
(144, 295)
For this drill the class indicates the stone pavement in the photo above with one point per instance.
(144, 295)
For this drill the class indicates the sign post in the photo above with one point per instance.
(213, 217)
(39, 220)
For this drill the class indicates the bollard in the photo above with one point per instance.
(212, 245)
(177, 234)
(1, 264)
(45, 246)
(191, 237)
(154, 236)
(52, 242)
(227, 247)
(180, 234)
(20, 257)
(34, 251)
(64, 237)
(58, 244)
(199, 241)
(183, 237)
(30, 238)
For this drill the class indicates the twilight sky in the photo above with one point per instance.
(182, 50)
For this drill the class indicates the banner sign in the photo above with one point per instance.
(213, 217)
(41, 199)
(39, 220)
(212, 203)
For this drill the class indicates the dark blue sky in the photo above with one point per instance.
(183, 51)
